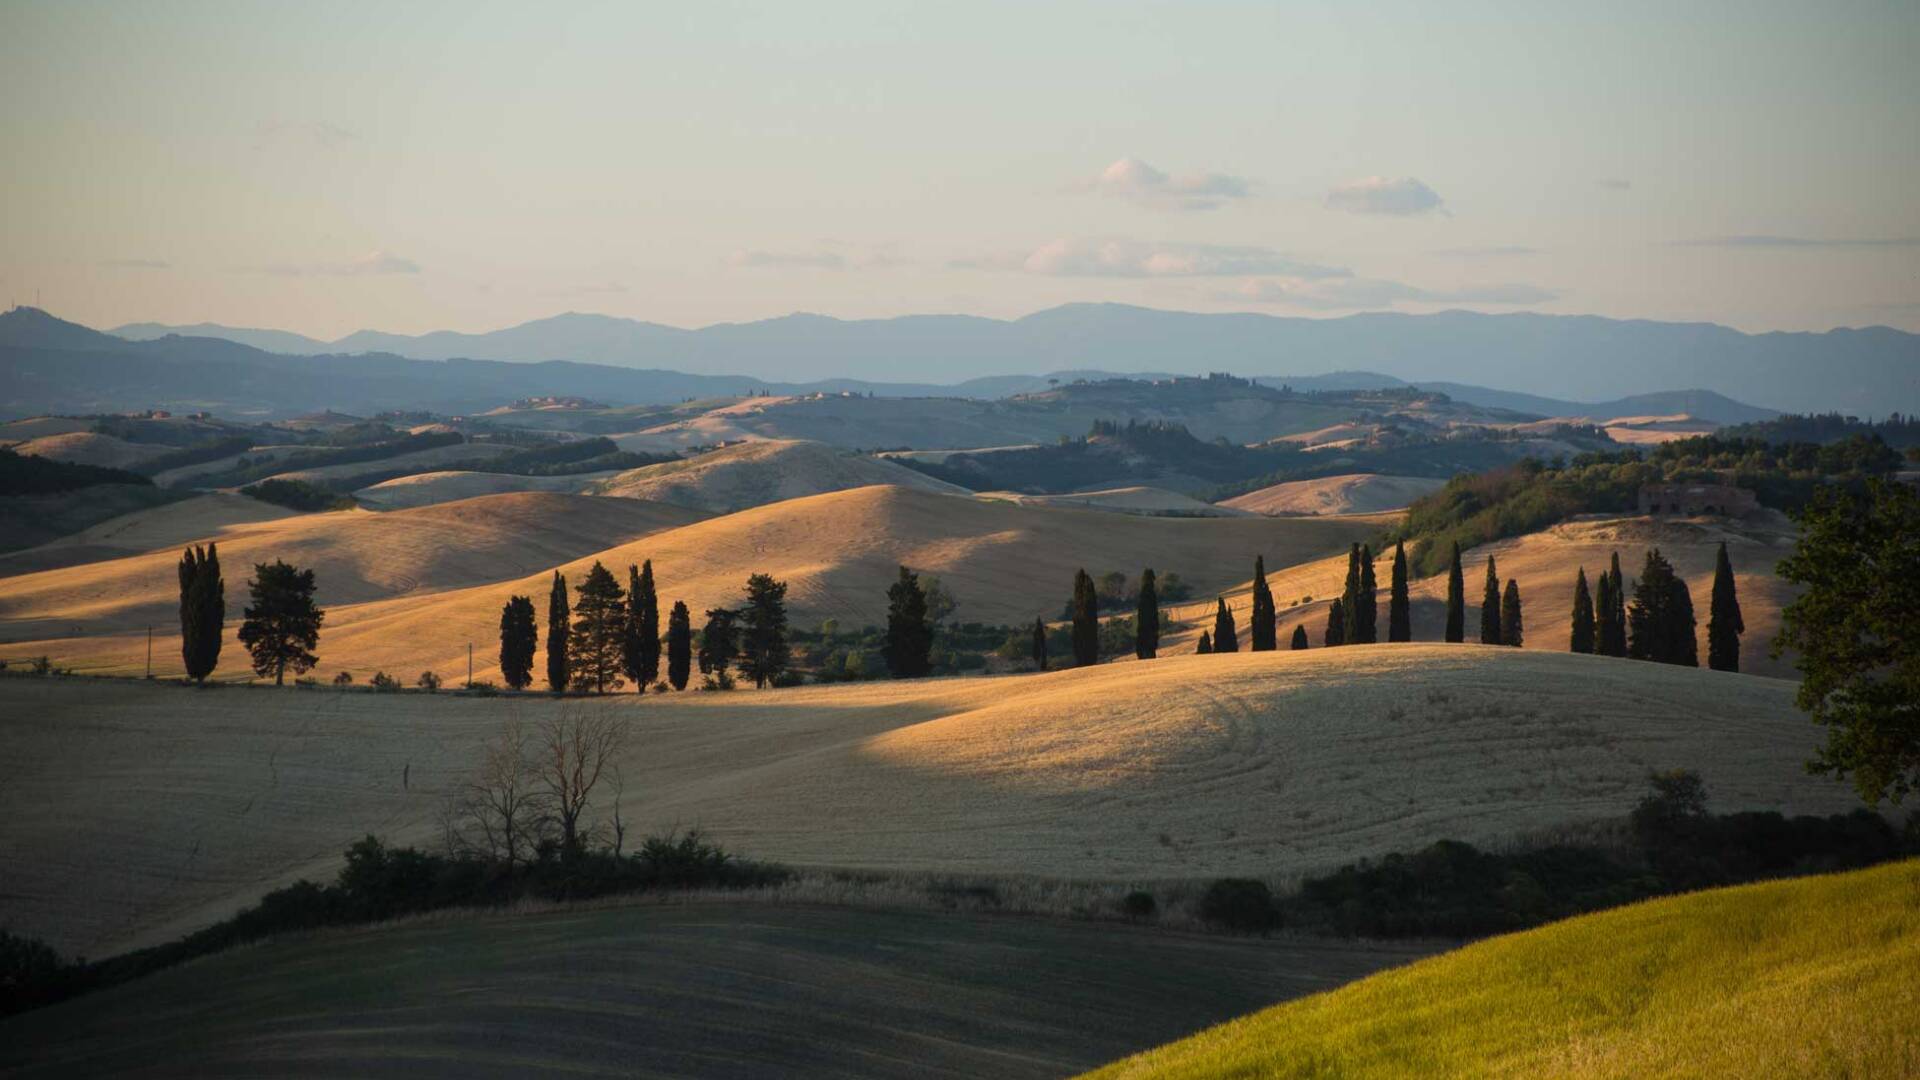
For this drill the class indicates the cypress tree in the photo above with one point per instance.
(203, 611)
(594, 649)
(282, 625)
(1039, 644)
(1261, 631)
(1225, 637)
(1683, 641)
(640, 650)
(1399, 607)
(1336, 625)
(1206, 644)
(559, 627)
(1610, 614)
(719, 644)
(1490, 607)
(1661, 622)
(1582, 637)
(1350, 598)
(1456, 599)
(1511, 630)
(909, 645)
(519, 638)
(1365, 627)
(764, 651)
(679, 645)
(1724, 624)
(1299, 637)
(1086, 621)
(1146, 618)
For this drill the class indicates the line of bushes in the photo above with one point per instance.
(30, 474)
(298, 495)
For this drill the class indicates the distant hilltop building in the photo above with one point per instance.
(1694, 499)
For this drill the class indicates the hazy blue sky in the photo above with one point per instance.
(332, 166)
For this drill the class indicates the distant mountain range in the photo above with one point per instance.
(1873, 370)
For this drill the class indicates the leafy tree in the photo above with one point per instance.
(1582, 638)
(909, 645)
(1086, 621)
(1724, 624)
(1206, 644)
(1364, 623)
(940, 600)
(1336, 633)
(679, 645)
(764, 651)
(203, 611)
(1146, 618)
(518, 640)
(1260, 628)
(596, 647)
(559, 628)
(640, 642)
(1299, 637)
(1039, 651)
(1456, 600)
(719, 643)
(282, 625)
(1660, 624)
(1856, 628)
(1511, 629)
(1399, 606)
(1490, 607)
(1225, 637)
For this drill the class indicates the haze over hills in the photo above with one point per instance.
(1869, 370)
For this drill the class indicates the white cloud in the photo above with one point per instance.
(1137, 259)
(372, 263)
(1139, 182)
(1356, 293)
(1379, 195)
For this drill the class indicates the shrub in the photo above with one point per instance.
(298, 495)
(1242, 905)
(305, 682)
(483, 689)
(41, 665)
(1139, 904)
(660, 688)
(788, 678)
(345, 678)
(429, 682)
(384, 683)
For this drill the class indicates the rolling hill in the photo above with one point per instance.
(135, 812)
(430, 488)
(1355, 493)
(1810, 977)
(757, 473)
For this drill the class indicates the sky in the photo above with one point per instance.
(325, 168)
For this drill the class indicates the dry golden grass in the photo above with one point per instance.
(1356, 493)
(419, 459)
(34, 427)
(432, 488)
(132, 812)
(757, 473)
(90, 448)
(1125, 500)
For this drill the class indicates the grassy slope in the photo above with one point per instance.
(757, 473)
(1814, 977)
(131, 813)
(707, 989)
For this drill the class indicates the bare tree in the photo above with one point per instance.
(502, 811)
(577, 744)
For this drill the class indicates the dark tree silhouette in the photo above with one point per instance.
(1336, 632)
(1660, 625)
(1364, 627)
(203, 611)
(594, 649)
(909, 645)
(719, 643)
(764, 651)
(1350, 599)
(1261, 631)
(1456, 599)
(518, 639)
(559, 629)
(679, 645)
(1685, 641)
(1610, 612)
(1724, 624)
(1146, 618)
(1206, 644)
(1581, 640)
(1299, 637)
(1086, 620)
(282, 626)
(1399, 607)
(1039, 644)
(1490, 607)
(1512, 630)
(1225, 637)
(640, 645)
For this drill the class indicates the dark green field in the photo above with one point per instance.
(710, 989)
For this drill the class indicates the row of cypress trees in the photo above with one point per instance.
(1660, 624)
(280, 626)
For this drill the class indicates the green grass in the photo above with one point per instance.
(1812, 977)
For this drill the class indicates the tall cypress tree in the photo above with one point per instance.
(1225, 637)
(1146, 618)
(1610, 618)
(1582, 637)
(594, 649)
(203, 611)
(909, 645)
(1206, 644)
(1039, 644)
(1511, 630)
(1661, 623)
(1724, 624)
(1490, 607)
(519, 638)
(1299, 636)
(559, 630)
(1456, 599)
(1683, 640)
(1260, 628)
(1399, 606)
(1086, 621)
(1350, 597)
(640, 651)
(1365, 627)
(1336, 633)
(679, 645)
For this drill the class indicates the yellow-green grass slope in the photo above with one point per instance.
(1813, 977)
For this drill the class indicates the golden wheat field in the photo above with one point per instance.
(133, 812)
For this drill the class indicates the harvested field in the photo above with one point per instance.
(90, 448)
(433, 488)
(1356, 493)
(758, 473)
(1150, 501)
